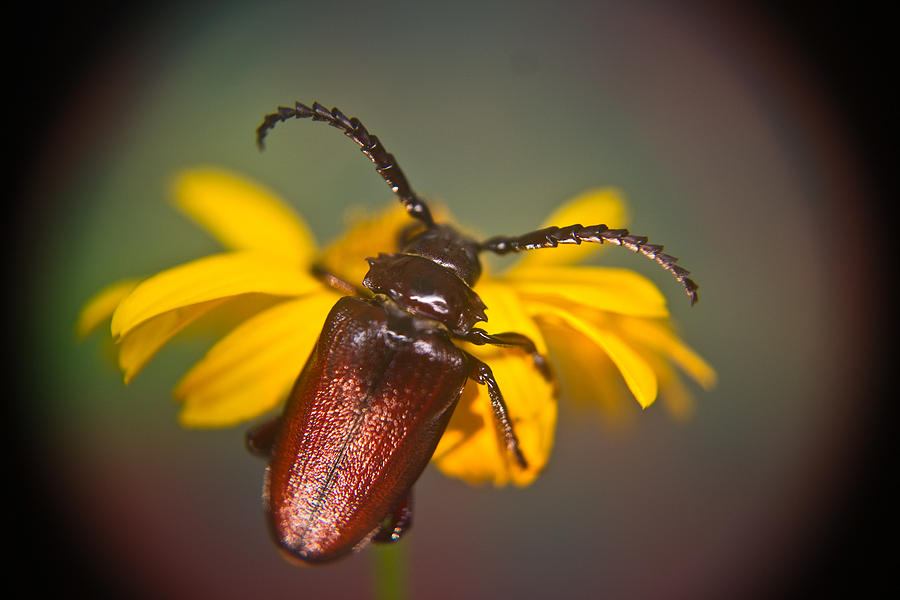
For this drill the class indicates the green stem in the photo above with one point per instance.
(390, 571)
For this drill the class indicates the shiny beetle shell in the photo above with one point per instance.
(361, 424)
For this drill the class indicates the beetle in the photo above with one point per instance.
(378, 389)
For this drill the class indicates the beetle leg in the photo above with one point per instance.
(551, 237)
(481, 373)
(400, 522)
(480, 337)
(260, 438)
(333, 281)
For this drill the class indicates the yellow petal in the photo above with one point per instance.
(252, 369)
(211, 278)
(230, 314)
(243, 214)
(139, 345)
(101, 306)
(675, 397)
(472, 448)
(589, 380)
(594, 207)
(659, 337)
(614, 290)
(638, 375)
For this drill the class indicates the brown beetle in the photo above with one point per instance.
(384, 377)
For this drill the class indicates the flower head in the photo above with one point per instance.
(599, 326)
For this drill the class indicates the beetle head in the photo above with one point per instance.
(449, 248)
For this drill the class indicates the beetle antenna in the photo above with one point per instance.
(551, 237)
(385, 163)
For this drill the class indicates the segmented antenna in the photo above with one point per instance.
(575, 234)
(385, 163)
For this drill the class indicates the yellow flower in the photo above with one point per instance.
(597, 325)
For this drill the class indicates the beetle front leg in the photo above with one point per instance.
(400, 522)
(481, 373)
(480, 337)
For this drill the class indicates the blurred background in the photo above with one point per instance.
(741, 137)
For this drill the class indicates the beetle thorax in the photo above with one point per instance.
(431, 278)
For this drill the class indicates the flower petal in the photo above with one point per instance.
(597, 206)
(252, 369)
(243, 214)
(659, 337)
(138, 346)
(674, 395)
(472, 448)
(211, 278)
(638, 375)
(101, 306)
(589, 380)
(614, 290)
